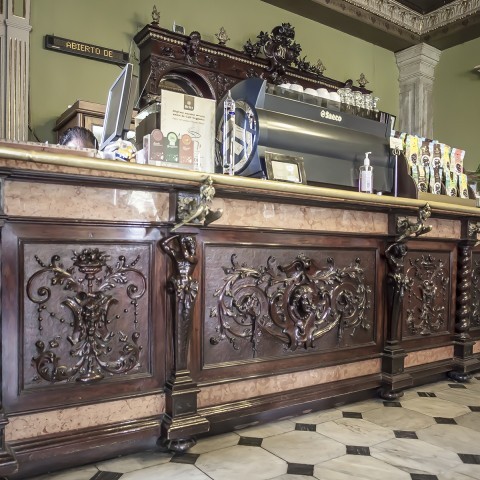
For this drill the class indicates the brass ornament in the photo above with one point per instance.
(222, 36)
(197, 210)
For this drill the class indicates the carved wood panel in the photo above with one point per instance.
(427, 306)
(475, 308)
(265, 302)
(85, 311)
(84, 299)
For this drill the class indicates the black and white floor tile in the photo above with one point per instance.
(431, 433)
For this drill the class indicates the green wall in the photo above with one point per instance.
(456, 96)
(58, 80)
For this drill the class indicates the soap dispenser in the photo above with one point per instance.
(365, 183)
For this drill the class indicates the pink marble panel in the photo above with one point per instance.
(476, 347)
(274, 215)
(69, 419)
(244, 389)
(69, 201)
(428, 356)
(442, 228)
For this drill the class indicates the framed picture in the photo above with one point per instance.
(285, 168)
(393, 120)
(178, 28)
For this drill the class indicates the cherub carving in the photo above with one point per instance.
(406, 229)
(201, 213)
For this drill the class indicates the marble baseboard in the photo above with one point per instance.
(423, 357)
(241, 390)
(69, 419)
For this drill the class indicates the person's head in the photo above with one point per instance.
(78, 137)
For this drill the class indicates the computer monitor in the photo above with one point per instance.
(121, 98)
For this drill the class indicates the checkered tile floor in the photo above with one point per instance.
(432, 433)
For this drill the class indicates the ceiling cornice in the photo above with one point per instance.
(413, 21)
(391, 24)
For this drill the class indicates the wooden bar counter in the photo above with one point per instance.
(123, 329)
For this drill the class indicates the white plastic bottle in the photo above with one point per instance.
(365, 183)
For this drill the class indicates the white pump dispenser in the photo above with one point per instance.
(365, 183)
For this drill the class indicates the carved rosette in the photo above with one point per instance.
(295, 304)
(95, 348)
(428, 295)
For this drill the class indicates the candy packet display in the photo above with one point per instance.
(456, 158)
(436, 169)
(425, 154)
(412, 151)
(463, 186)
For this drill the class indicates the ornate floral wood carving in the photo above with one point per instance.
(280, 49)
(296, 303)
(429, 279)
(221, 82)
(468, 272)
(95, 347)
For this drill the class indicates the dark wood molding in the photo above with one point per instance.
(190, 64)
(61, 450)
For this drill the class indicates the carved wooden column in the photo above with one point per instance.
(14, 68)
(181, 421)
(463, 358)
(8, 463)
(394, 378)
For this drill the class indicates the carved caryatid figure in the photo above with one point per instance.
(182, 250)
(397, 280)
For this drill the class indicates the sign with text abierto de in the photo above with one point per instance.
(88, 50)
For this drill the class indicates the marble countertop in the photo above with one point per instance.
(40, 161)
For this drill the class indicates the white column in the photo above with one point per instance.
(416, 66)
(14, 70)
